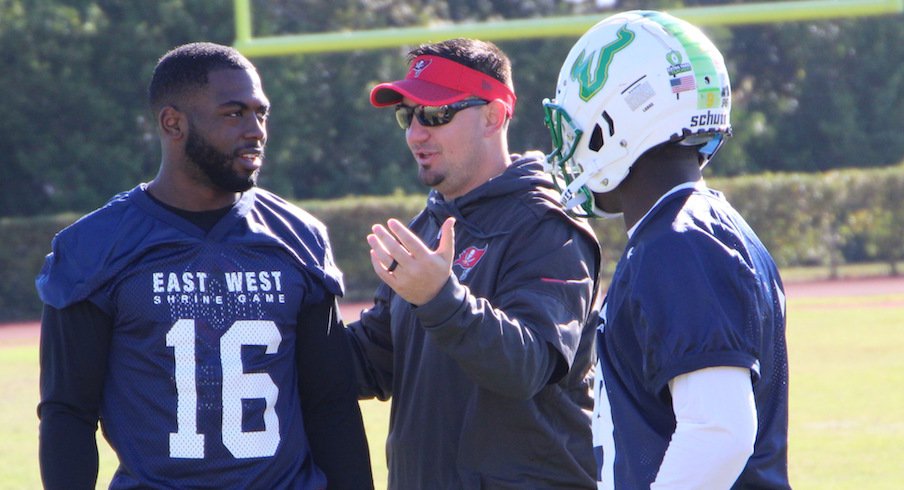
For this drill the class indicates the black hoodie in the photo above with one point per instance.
(491, 380)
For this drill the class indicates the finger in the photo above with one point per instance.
(411, 242)
(389, 244)
(379, 268)
(377, 250)
(446, 247)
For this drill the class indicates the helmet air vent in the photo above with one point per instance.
(596, 138)
(608, 119)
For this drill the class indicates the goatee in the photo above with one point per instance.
(216, 165)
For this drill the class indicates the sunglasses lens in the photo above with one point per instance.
(431, 116)
(434, 115)
(403, 115)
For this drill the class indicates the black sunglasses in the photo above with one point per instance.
(430, 116)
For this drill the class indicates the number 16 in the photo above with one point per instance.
(237, 385)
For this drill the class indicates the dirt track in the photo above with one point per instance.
(870, 286)
(26, 333)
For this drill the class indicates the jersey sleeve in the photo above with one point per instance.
(695, 303)
(91, 251)
(300, 233)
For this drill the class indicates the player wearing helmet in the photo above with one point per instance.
(692, 376)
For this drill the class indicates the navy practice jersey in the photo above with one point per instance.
(695, 288)
(201, 384)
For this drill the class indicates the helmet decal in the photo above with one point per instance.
(707, 80)
(676, 64)
(682, 84)
(592, 83)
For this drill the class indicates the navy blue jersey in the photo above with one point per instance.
(694, 289)
(201, 381)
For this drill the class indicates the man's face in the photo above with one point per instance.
(227, 130)
(449, 156)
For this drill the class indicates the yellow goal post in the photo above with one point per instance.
(541, 27)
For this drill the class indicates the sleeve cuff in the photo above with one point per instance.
(437, 312)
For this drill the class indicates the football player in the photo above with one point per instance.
(692, 377)
(195, 316)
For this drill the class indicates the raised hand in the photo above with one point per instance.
(407, 265)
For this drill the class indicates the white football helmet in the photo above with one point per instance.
(633, 81)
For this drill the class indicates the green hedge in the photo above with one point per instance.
(25, 242)
(348, 221)
(825, 219)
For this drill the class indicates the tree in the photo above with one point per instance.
(76, 129)
(828, 94)
(806, 96)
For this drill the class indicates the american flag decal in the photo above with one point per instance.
(683, 84)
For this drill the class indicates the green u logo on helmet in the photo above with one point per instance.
(593, 81)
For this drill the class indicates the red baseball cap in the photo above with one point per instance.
(434, 80)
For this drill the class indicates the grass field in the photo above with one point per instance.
(847, 402)
(19, 425)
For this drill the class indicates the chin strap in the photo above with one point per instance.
(577, 198)
(582, 205)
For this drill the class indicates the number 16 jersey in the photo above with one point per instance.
(201, 382)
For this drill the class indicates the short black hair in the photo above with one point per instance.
(186, 67)
(482, 56)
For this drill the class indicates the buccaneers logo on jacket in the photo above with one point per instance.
(468, 258)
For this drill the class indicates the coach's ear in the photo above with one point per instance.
(495, 117)
(172, 123)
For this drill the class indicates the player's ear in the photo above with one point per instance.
(172, 122)
(495, 117)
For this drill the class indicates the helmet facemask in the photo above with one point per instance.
(565, 171)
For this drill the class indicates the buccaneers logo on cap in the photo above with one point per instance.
(468, 258)
(420, 66)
